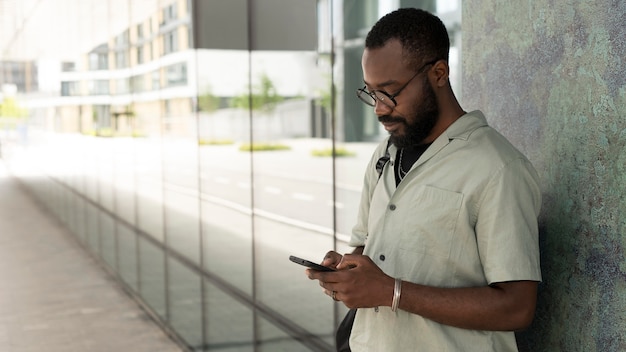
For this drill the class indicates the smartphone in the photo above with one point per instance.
(309, 264)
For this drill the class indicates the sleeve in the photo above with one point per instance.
(506, 229)
(370, 179)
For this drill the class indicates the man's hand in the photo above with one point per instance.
(358, 283)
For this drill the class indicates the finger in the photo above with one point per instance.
(349, 261)
(332, 294)
(311, 274)
(324, 276)
(331, 259)
(315, 274)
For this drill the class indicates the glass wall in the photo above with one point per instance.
(193, 145)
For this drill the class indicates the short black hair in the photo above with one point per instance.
(423, 36)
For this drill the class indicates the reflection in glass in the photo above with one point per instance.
(231, 324)
(149, 187)
(220, 155)
(152, 276)
(79, 221)
(185, 302)
(292, 186)
(108, 240)
(123, 151)
(180, 187)
(127, 254)
(275, 339)
(92, 227)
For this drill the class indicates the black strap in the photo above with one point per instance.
(380, 164)
(342, 338)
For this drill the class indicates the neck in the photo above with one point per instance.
(449, 111)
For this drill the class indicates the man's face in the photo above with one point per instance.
(411, 120)
(416, 126)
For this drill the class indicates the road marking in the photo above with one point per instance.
(303, 196)
(337, 205)
(273, 190)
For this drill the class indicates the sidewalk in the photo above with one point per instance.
(53, 296)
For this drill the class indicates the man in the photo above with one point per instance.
(446, 239)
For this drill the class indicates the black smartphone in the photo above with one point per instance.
(309, 264)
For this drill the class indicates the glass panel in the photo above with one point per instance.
(181, 215)
(152, 276)
(185, 302)
(225, 170)
(145, 117)
(227, 245)
(90, 163)
(105, 173)
(108, 240)
(292, 176)
(179, 132)
(149, 187)
(230, 324)
(223, 127)
(274, 270)
(92, 215)
(124, 177)
(127, 253)
(274, 339)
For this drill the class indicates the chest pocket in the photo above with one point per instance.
(430, 221)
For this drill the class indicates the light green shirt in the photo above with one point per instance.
(464, 216)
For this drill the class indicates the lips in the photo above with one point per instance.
(391, 123)
(390, 126)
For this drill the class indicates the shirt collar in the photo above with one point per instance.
(463, 127)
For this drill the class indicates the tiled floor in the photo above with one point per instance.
(53, 296)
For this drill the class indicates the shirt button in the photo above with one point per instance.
(392, 207)
(382, 257)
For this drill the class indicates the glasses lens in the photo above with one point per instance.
(365, 97)
(385, 98)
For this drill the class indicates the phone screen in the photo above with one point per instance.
(309, 264)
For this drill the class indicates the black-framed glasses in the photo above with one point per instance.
(370, 98)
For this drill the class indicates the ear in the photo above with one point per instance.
(441, 73)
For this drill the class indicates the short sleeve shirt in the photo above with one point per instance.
(464, 216)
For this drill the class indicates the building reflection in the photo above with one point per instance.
(181, 149)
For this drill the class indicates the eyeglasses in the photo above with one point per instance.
(370, 98)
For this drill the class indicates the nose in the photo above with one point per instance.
(381, 108)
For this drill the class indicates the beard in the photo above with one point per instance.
(423, 121)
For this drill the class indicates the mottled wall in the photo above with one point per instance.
(551, 76)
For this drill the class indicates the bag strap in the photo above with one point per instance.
(380, 164)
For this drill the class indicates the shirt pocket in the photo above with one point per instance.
(429, 225)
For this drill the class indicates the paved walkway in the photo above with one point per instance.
(53, 296)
